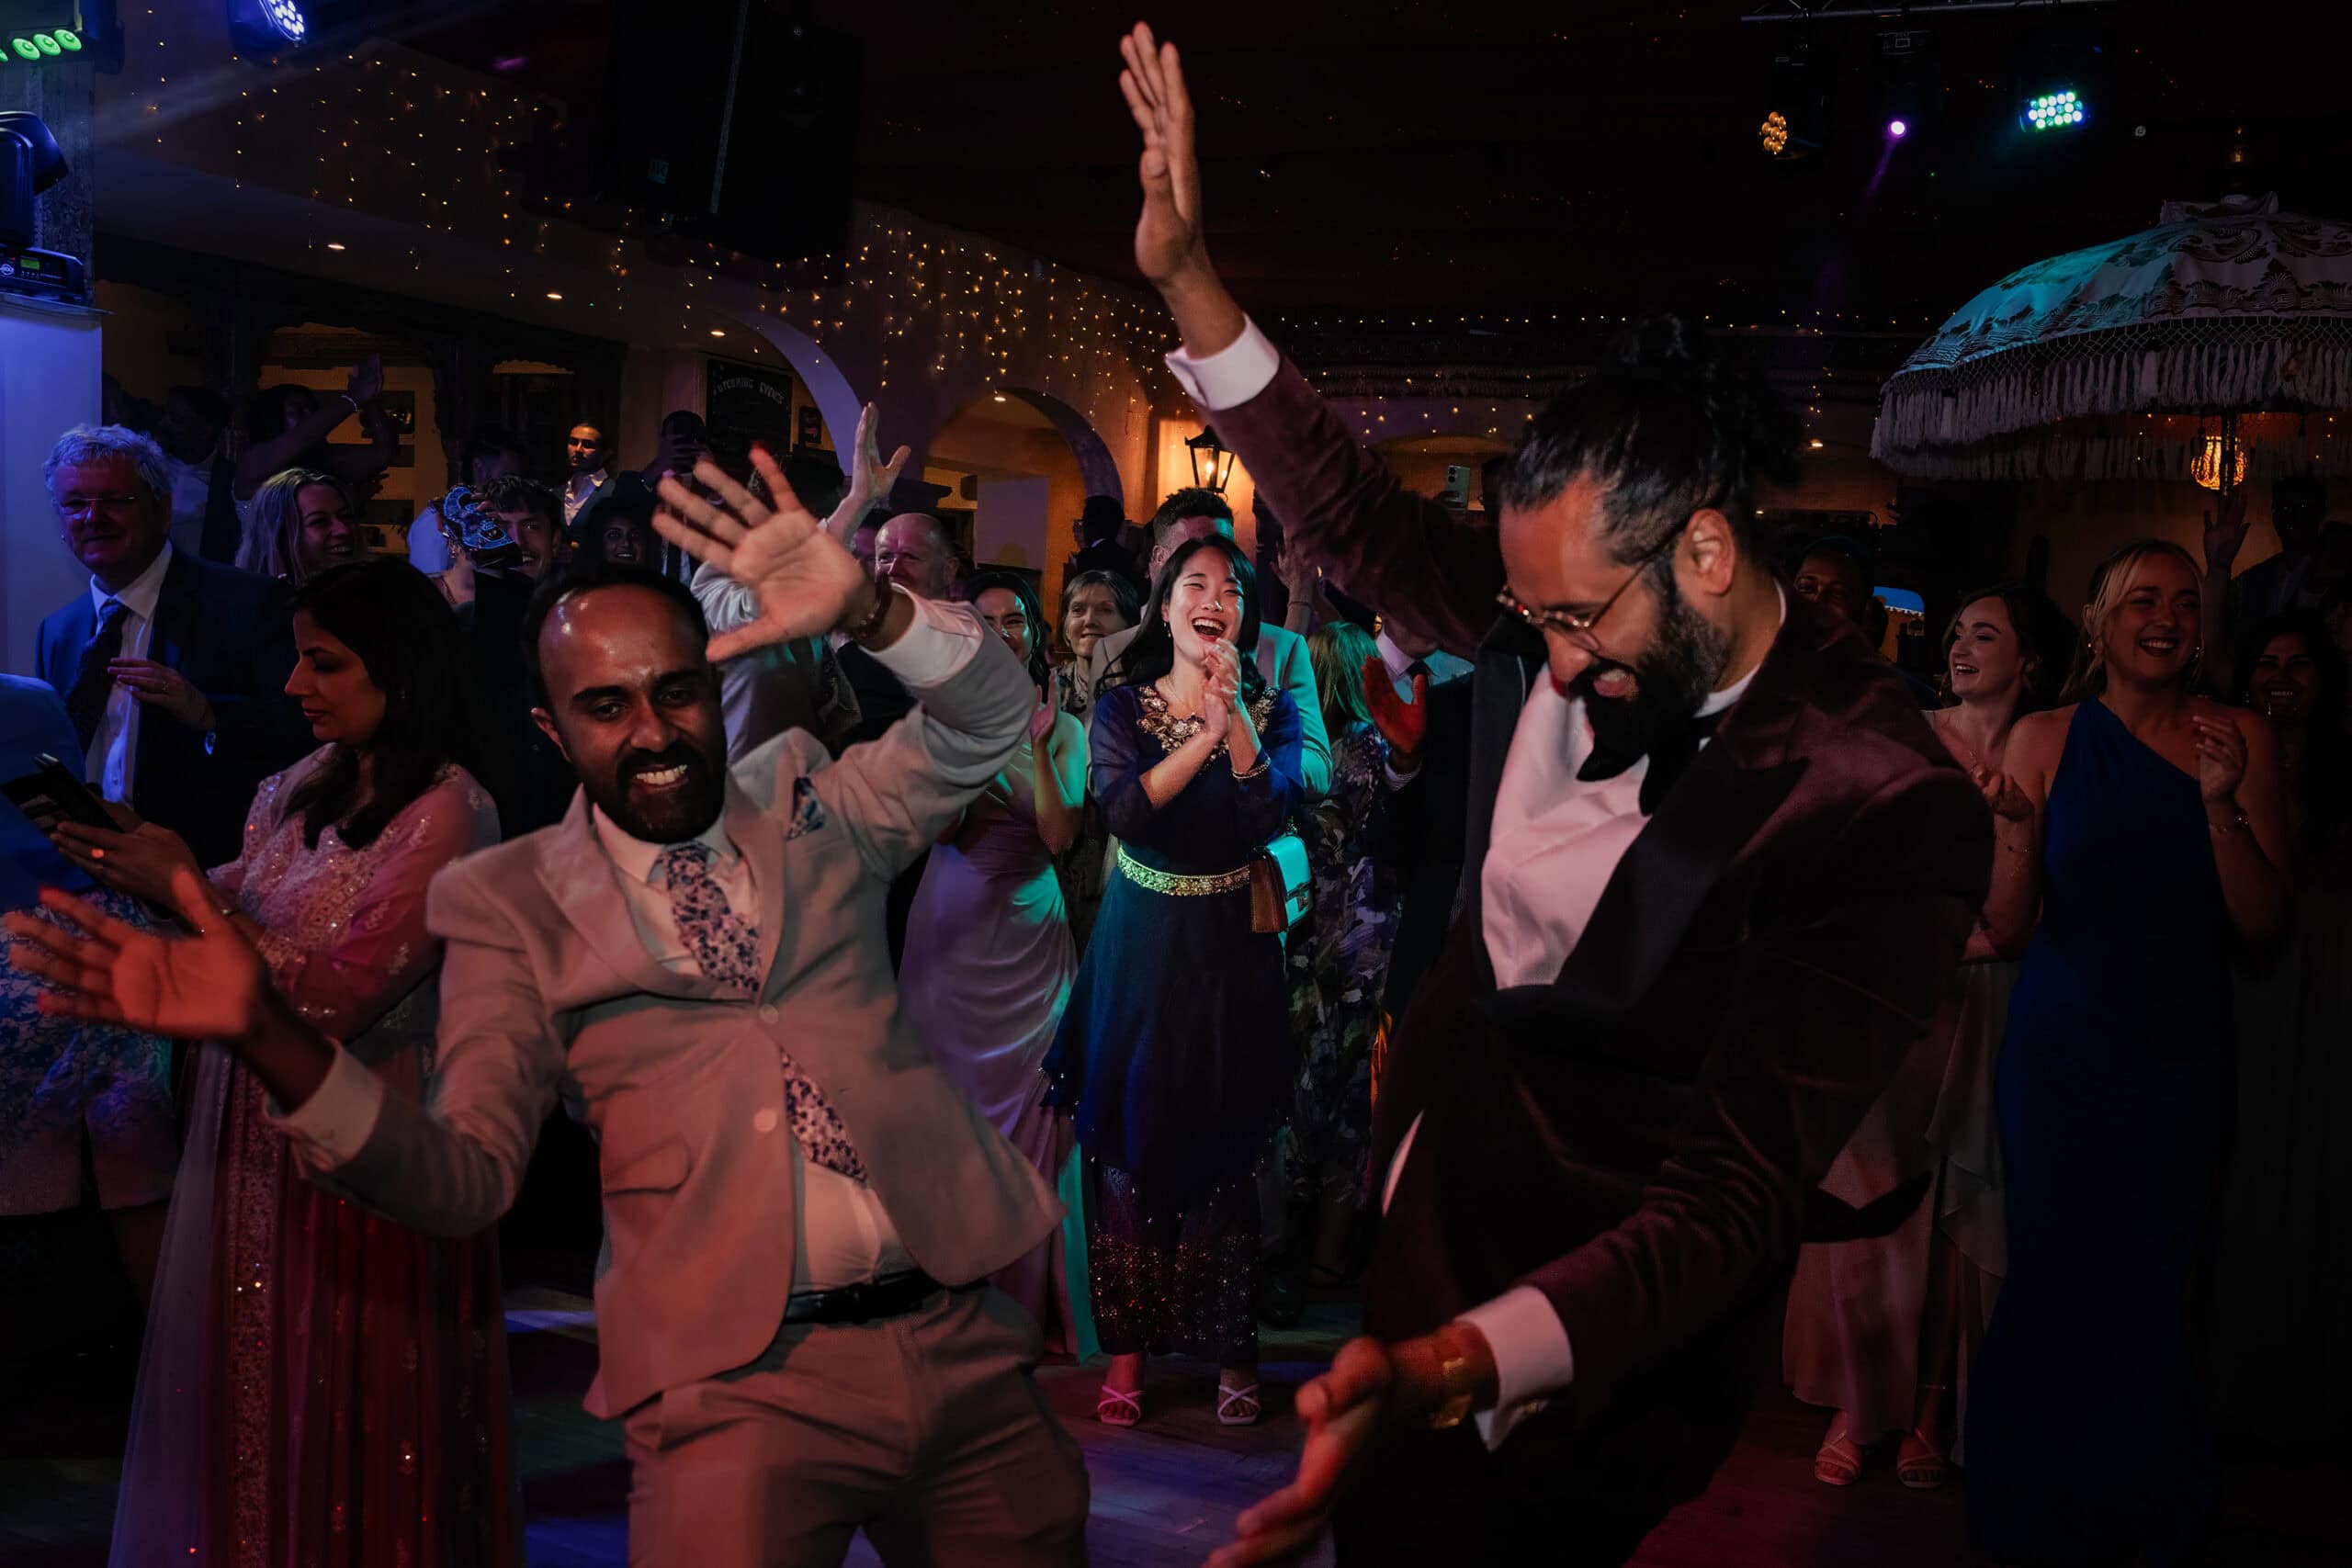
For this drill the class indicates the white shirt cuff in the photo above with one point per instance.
(1230, 377)
(335, 1124)
(1532, 1357)
(936, 646)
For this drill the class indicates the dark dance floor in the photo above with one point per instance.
(1164, 1495)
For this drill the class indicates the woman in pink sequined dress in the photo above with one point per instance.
(321, 1388)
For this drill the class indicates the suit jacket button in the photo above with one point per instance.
(768, 1015)
(764, 1122)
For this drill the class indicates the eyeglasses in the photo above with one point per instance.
(1582, 630)
(84, 505)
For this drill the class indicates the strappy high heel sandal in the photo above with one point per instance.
(1236, 1406)
(1838, 1462)
(1920, 1463)
(1117, 1407)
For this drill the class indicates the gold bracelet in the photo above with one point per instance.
(1453, 1377)
(2222, 831)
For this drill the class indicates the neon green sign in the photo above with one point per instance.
(34, 48)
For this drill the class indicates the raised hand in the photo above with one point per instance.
(1298, 572)
(1168, 235)
(365, 383)
(870, 478)
(1403, 724)
(2225, 531)
(806, 579)
(211, 986)
(1041, 723)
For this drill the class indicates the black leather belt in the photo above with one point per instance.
(893, 1295)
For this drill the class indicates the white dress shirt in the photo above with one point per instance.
(579, 489)
(113, 758)
(1443, 666)
(1554, 842)
(845, 1235)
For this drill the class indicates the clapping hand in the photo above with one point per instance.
(870, 478)
(1041, 723)
(2221, 758)
(805, 578)
(1221, 693)
(2009, 803)
(211, 986)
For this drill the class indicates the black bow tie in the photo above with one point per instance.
(1617, 747)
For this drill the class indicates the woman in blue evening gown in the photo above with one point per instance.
(1175, 1050)
(2161, 833)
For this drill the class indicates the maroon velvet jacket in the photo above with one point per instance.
(1638, 1138)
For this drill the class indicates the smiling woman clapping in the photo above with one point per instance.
(1175, 1048)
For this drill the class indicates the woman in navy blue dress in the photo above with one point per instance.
(1175, 1051)
(2161, 838)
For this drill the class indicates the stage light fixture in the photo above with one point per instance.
(1774, 133)
(267, 26)
(286, 18)
(2050, 111)
(1897, 129)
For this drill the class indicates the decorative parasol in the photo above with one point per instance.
(2215, 346)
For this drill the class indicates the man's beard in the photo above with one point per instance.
(1677, 671)
(674, 815)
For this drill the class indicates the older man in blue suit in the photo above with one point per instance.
(173, 668)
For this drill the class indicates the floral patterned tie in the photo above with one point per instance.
(727, 947)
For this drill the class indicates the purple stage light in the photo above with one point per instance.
(1897, 128)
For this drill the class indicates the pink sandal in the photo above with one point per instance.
(1840, 1462)
(1117, 1407)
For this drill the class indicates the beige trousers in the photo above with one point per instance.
(926, 1431)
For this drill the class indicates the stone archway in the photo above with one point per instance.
(837, 402)
(1095, 464)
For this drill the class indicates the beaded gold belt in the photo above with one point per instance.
(1177, 886)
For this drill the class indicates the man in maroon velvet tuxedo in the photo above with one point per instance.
(1718, 877)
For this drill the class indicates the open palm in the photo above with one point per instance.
(804, 578)
(1168, 234)
(870, 478)
(211, 985)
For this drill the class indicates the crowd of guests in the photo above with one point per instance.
(1161, 950)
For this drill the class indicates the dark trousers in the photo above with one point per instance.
(1441, 1497)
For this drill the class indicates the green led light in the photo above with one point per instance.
(70, 42)
(47, 45)
(25, 49)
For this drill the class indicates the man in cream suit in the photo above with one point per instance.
(798, 1203)
(1282, 654)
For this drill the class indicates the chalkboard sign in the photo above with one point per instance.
(744, 404)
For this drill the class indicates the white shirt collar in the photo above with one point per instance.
(581, 484)
(637, 858)
(140, 594)
(1394, 658)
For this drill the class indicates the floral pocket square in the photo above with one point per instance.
(808, 815)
